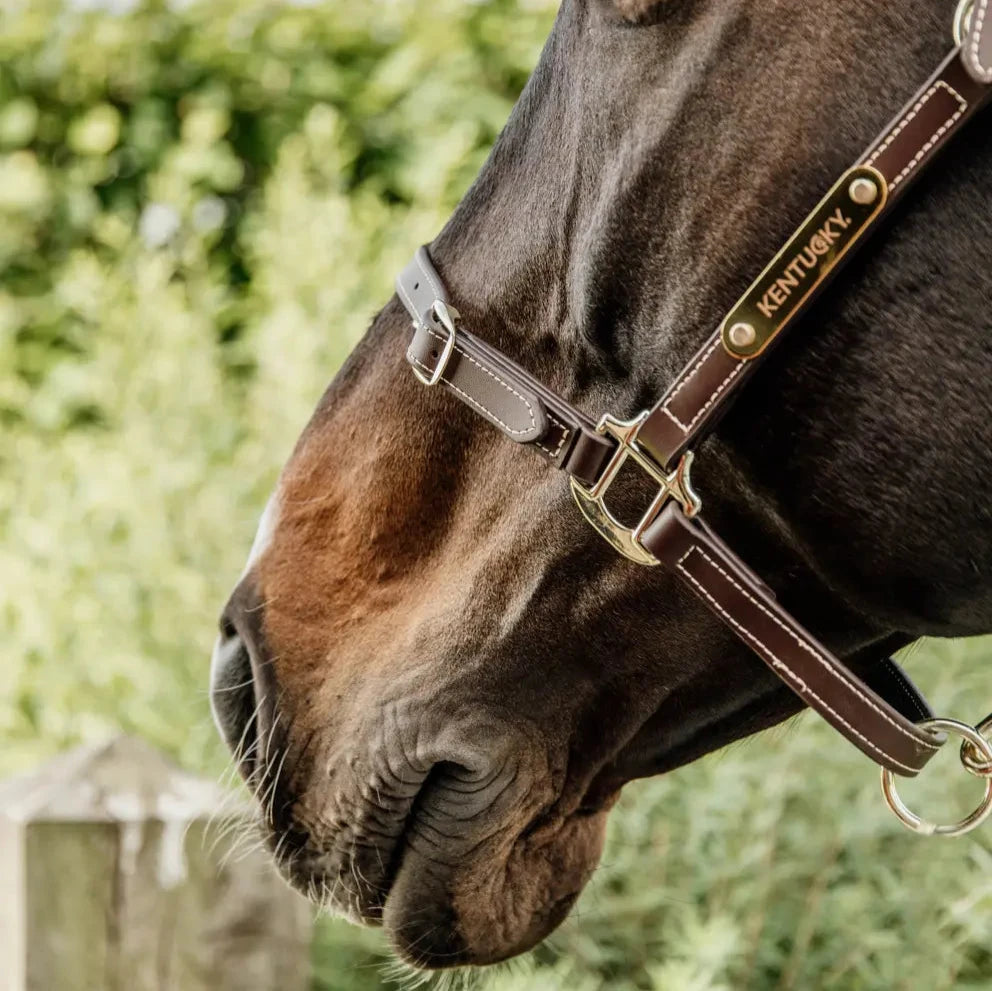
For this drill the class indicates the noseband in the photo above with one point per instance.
(883, 715)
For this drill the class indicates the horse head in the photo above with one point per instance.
(434, 674)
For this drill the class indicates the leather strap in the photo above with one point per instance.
(879, 715)
(976, 49)
(722, 581)
(494, 386)
(700, 395)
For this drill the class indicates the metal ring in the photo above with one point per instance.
(971, 756)
(918, 825)
(962, 20)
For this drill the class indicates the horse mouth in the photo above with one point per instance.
(345, 865)
(450, 890)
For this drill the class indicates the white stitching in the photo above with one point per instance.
(686, 427)
(796, 680)
(920, 104)
(564, 436)
(709, 402)
(492, 375)
(475, 402)
(412, 357)
(900, 679)
(695, 368)
(839, 675)
(904, 123)
(976, 36)
(533, 422)
(666, 406)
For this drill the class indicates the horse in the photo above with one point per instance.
(433, 673)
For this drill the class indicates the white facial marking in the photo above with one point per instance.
(263, 535)
(224, 662)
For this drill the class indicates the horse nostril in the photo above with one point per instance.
(227, 628)
(232, 696)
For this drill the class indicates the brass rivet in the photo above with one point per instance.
(863, 191)
(742, 335)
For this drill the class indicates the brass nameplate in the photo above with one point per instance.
(778, 294)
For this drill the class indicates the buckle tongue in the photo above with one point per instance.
(674, 485)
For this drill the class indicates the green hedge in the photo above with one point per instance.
(177, 183)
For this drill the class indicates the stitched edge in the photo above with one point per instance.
(686, 427)
(904, 123)
(530, 409)
(900, 679)
(564, 436)
(963, 106)
(985, 72)
(791, 675)
(831, 669)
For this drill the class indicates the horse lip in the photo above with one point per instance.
(364, 897)
(370, 906)
(440, 813)
(430, 927)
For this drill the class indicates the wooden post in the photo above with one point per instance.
(108, 882)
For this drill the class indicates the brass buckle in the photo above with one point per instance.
(674, 485)
(962, 20)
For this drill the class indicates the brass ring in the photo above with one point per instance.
(962, 20)
(918, 825)
(971, 757)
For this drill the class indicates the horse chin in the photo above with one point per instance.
(454, 893)
(462, 839)
(500, 899)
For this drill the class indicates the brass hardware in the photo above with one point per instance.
(972, 738)
(675, 485)
(971, 756)
(742, 335)
(827, 234)
(962, 20)
(863, 191)
(446, 317)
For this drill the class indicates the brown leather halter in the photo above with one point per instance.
(887, 719)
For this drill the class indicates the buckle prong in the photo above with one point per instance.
(673, 485)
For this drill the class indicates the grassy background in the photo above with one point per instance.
(177, 181)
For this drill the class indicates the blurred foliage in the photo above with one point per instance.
(201, 206)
